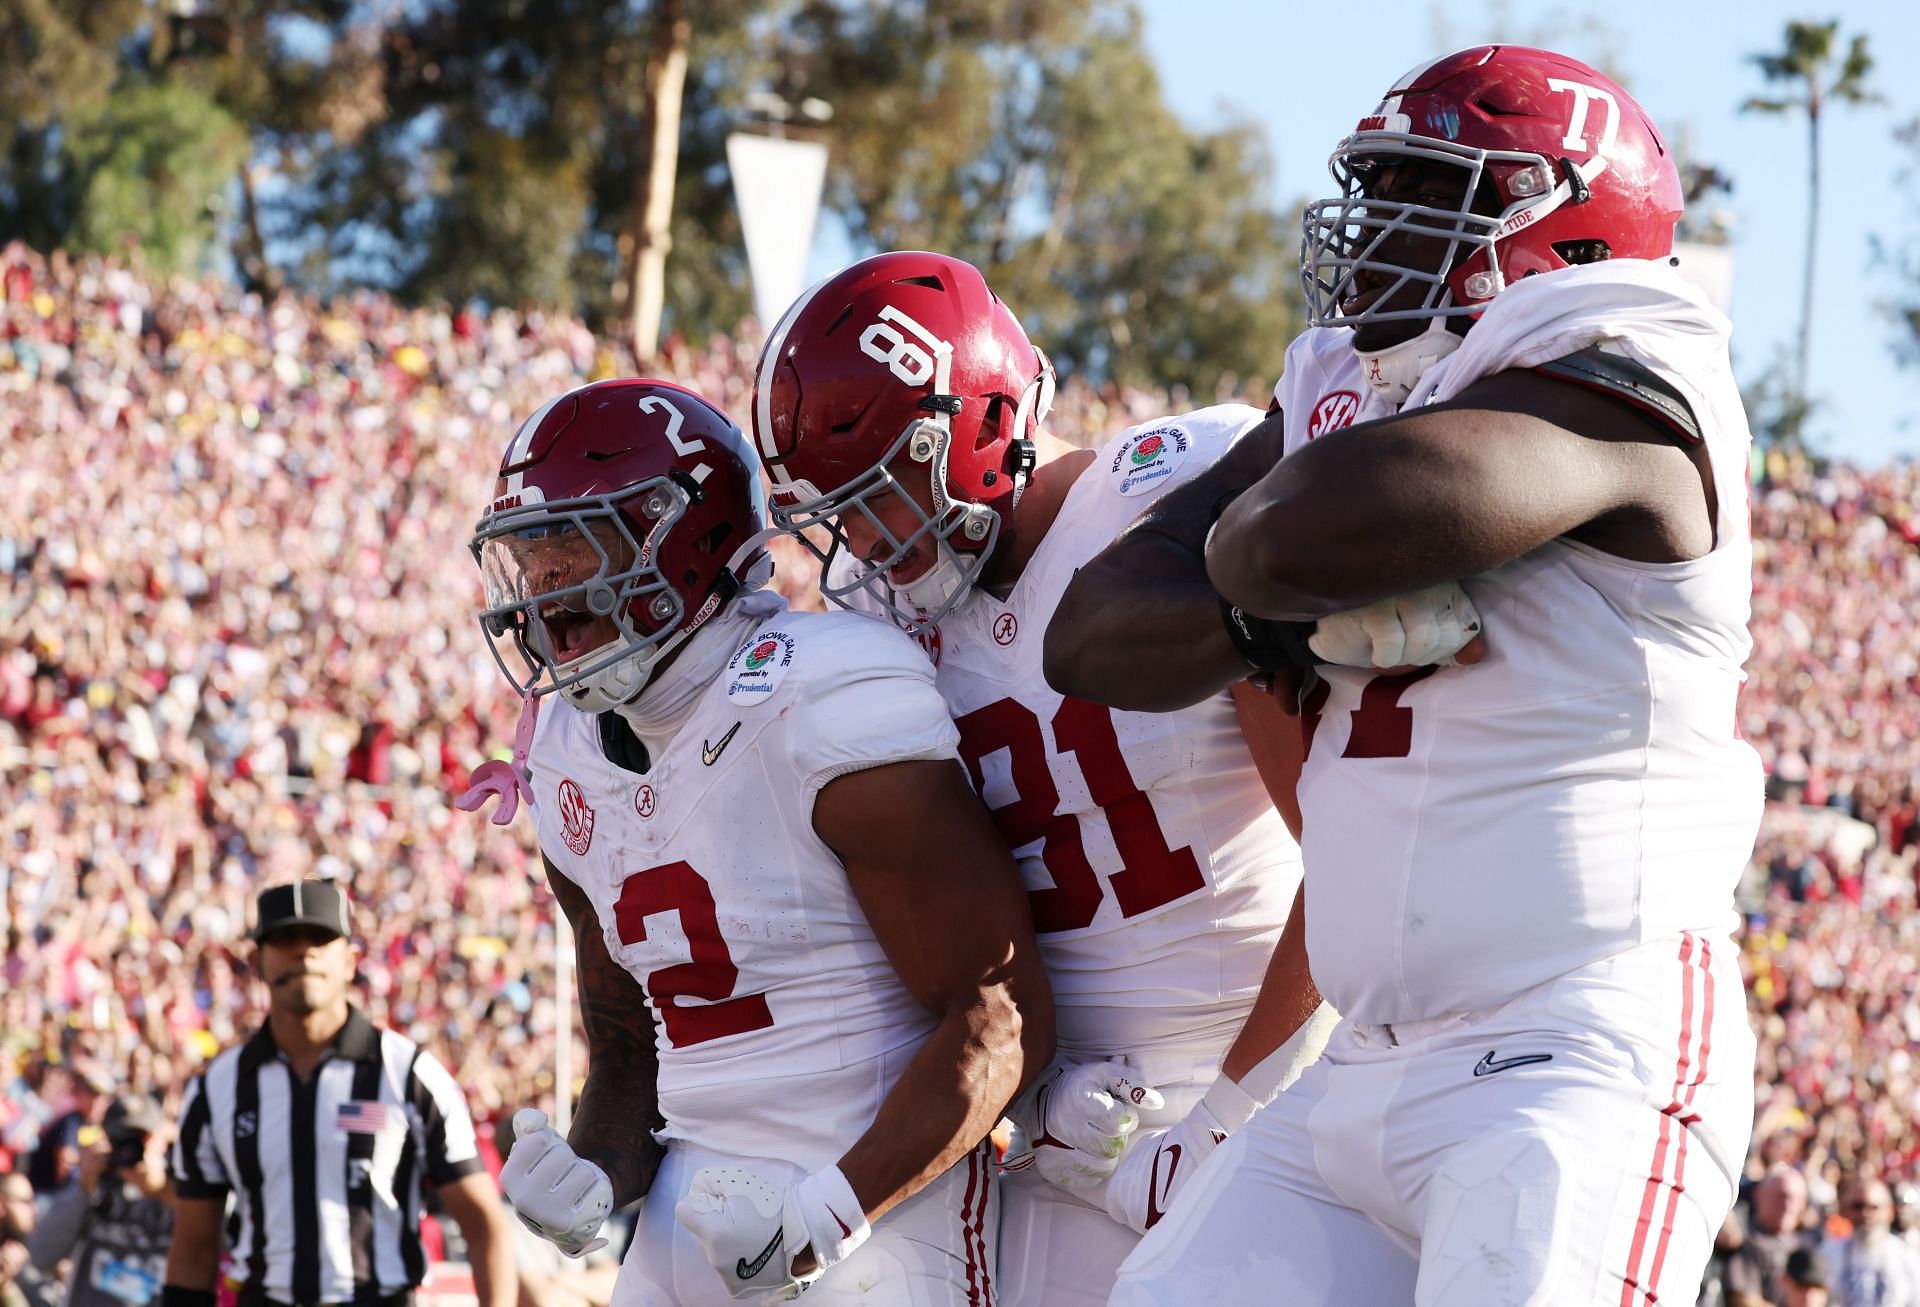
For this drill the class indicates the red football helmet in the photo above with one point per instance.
(1561, 167)
(904, 356)
(627, 514)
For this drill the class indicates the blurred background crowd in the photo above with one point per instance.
(237, 645)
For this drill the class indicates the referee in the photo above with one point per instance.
(322, 1128)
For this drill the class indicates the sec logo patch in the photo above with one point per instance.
(576, 818)
(1334, 411)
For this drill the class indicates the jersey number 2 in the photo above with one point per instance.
(678, 888)
(1152, 874)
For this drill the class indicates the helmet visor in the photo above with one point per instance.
(571, 591)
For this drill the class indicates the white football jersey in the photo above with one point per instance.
(1475, 831)
(1159, 872)
(781, 1025)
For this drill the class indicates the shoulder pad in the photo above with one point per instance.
(1624, 378)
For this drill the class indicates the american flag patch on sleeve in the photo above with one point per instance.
(363, 1118)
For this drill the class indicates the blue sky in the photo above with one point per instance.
(1304, 76)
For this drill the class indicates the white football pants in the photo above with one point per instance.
(1058, 1249)
(1580, 1144)
(934, 1250)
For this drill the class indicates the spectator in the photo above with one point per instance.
(61, 1141)
(1756, 1270)
(1870, 1267)
(1808, 1279)
(112, 1220)
(20, 1284)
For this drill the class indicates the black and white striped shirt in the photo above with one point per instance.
(326, 1171)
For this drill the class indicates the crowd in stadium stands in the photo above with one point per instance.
(237, 645)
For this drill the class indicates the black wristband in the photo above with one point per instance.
(174, 1295)
(1269, 646)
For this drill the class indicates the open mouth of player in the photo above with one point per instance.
(1367, 289)
(908, 570)
(571, 632)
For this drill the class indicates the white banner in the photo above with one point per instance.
(777, 184)
(1710, 267)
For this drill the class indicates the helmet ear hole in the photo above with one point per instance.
(710, 542)
(990, 423)
(1592, 251)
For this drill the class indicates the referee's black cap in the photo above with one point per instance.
(319, 904)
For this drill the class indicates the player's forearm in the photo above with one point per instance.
(614, 1121)
(1140, 628)
(1286, 1001)
(948, 1098)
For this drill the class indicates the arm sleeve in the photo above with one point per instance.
(193, 1161)
(879, 706)
(452, 1150)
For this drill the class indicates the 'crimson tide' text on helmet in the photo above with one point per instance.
(1560, 167)
(903, 358)
(627, 513)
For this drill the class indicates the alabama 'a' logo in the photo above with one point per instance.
(1334, 411)
(576, 818)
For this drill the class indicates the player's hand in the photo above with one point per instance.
(557, 1194)
(753, 1227)
(1077, 1120)
(1158, 1163)
(1437, 625)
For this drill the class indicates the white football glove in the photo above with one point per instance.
(1077, 1119)
(1411, 630)
(1158, 1163)
(557, 1194)
(752, 1227)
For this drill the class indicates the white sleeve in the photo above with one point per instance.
(878, 706)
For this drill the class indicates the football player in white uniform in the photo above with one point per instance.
(1519, 874)
(807, 971)
(899, 408)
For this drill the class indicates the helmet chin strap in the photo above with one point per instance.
(930, 591)
(1393, 372)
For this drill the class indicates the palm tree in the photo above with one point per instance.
(1806, 65)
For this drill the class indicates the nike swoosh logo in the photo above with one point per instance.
(1154, 1210)
(846, 1231)
(710, 753)
(747, 1270)
(1486, 1066)
(1041, 1137)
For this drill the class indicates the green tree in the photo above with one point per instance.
(58, 61)
(1903, 259)
(151, 167)
(1033, 139)
(1811, 65)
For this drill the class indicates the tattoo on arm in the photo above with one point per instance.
(618, 1110)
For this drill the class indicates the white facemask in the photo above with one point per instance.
(1393, 372)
